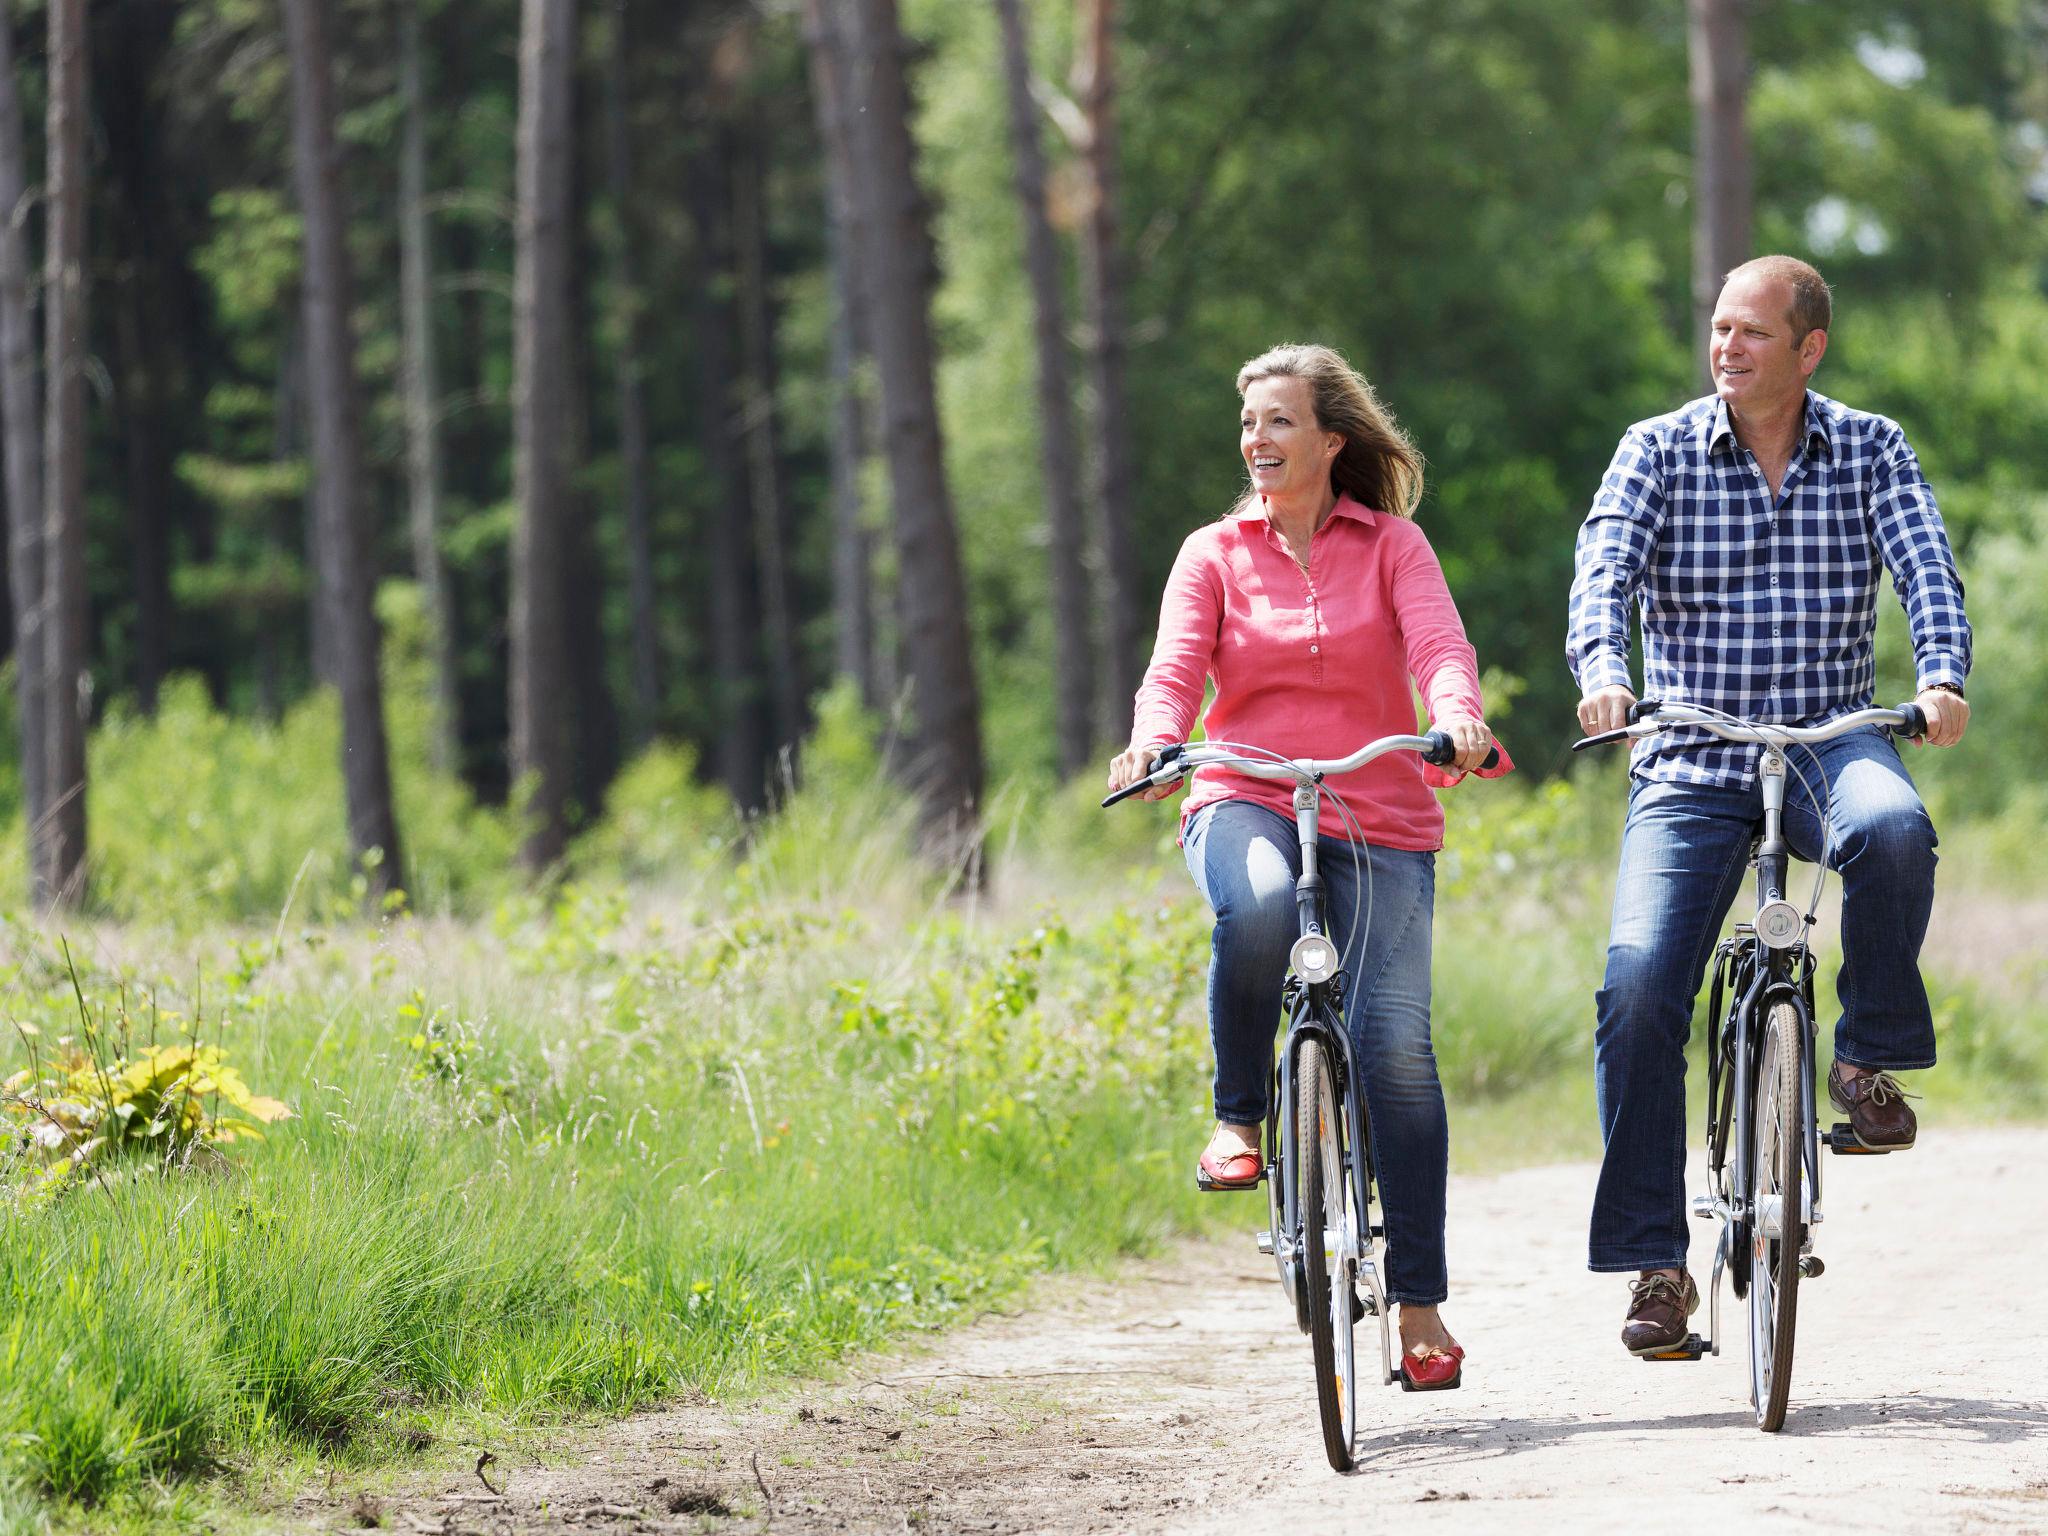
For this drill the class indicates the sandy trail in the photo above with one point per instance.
(1920, 1391)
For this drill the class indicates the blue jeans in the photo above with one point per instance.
(1684, 853)
(1245, 859)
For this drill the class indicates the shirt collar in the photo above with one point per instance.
(1717, 428)
(1346, 507)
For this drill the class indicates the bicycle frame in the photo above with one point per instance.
(1315, 1012)
(1759, 974)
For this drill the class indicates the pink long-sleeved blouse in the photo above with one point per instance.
(1312, 664)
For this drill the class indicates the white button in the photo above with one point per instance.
(1313, 649)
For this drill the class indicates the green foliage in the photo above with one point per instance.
(593, 1159)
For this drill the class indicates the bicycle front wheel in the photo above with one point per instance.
(1328, 1261)
(1777, 1230)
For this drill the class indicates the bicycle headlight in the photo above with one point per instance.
(1314, 958)
(1778, 924)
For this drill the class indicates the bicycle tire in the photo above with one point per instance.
(1776, 1164)
(1318, 1150)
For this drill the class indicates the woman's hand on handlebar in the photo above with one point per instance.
(1472, 739)
(1132, 764)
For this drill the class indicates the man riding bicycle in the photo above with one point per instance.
(1749, 528)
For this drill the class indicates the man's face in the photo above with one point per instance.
(1758, 361)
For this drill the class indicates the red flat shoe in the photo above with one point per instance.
(1241, 1170)
(1437, 1371)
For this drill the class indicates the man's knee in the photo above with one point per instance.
(1641, 992)
(1895, 838)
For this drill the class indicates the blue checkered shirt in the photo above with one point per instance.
(1766, 612)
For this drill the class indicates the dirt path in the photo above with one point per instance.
(1921, 1390)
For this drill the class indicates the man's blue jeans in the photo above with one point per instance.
(1684, 853)
(1245, 859)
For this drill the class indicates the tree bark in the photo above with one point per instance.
(1717, 41)
(739, 748)
(67, 683)
(21, 422)
(947, 765)
(1066, 536)
(539, 661)
(852, 556)
(632, 403)
(764, 469)
(422, 393)
(1112, 480)
(853, 619)
(593, 720)
(145, 322)
(341, 539)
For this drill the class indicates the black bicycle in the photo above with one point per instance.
(1322, 1234)
(1763, 1135)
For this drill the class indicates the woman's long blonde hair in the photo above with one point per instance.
(1377, 466)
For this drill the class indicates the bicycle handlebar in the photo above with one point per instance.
(1435, 748)
(1648, 717)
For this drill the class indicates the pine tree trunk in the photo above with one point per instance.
(340, 522)
(947, 764)
(764, 468)
(1066, 534)
(422, 393)
(67, 683)
(21, 423)
(540, 707)
(1717, 39)
(632, 402)
(137, 42)
(853, 618)
(739, 748)
(148, 483)
(594, 721)
(1112, 482)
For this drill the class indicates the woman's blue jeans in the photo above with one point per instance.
(1245, 859)
(1684, 853)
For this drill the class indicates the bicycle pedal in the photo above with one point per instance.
(1693, 1348)
(1843, 1143)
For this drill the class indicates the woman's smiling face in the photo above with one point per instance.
(1287, 453)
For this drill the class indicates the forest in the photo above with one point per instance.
(559, 548)
(575, 356)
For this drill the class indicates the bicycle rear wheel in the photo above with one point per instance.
(1777, 1231)
(1328, 1267)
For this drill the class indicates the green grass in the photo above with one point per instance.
(759, 1108)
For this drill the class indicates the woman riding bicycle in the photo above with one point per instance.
(1311, 605)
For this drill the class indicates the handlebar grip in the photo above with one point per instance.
(1442, 751)
(1916, 721)
(1126, 792)
(1641, 710)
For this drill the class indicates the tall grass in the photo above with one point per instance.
(728, 1102)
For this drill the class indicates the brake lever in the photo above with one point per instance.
(1602, 739)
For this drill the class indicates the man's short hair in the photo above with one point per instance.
(1813, 305)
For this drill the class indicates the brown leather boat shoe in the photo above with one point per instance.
(1658, 1309)
(1876, 1107)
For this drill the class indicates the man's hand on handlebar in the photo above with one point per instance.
(1606, 709)
(1948, 716)
(1472, 739)
(1133, 764)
